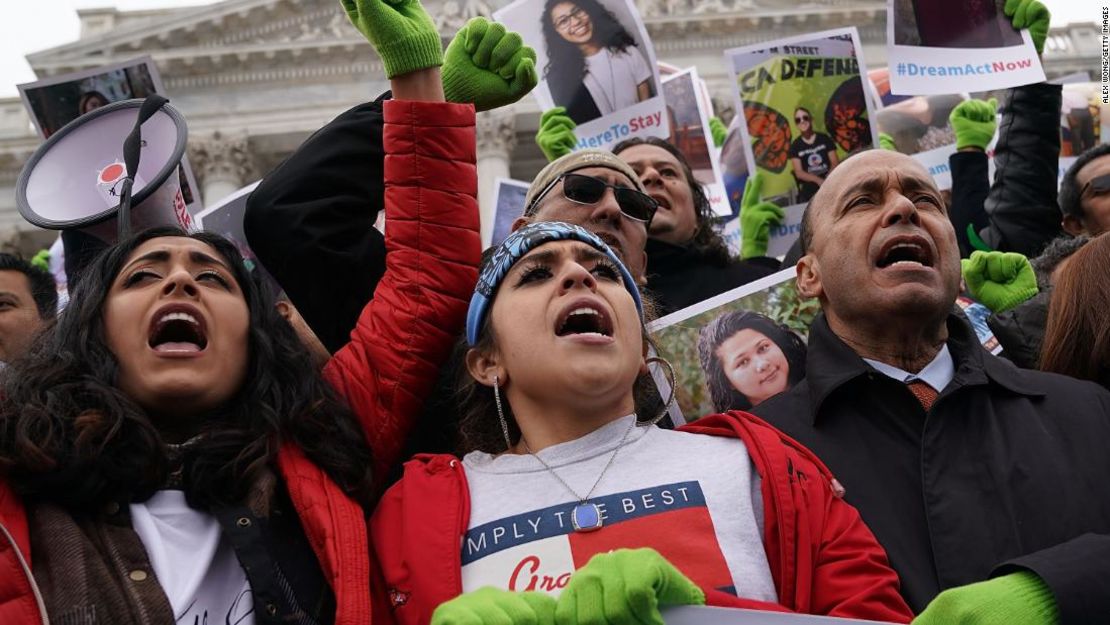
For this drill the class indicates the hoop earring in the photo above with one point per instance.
(501, 412)
(673, 383)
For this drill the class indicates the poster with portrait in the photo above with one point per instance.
(54, 102)
(594, 58)
(945, 46)
(226, 219)
(806, 109)
(688, 113)
(1084, 118)
(508, 205)
(736, 349)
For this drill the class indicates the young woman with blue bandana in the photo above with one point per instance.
(569, 507)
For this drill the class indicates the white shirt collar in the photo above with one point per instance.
(936, 374)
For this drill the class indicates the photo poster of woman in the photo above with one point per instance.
(806, 109)
(941, 46)
(736, 349)
(54, 102)
(688, 114)
(919, 127)
(596, 60)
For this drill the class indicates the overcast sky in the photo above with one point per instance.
(33, 25)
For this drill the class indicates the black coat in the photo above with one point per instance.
(1006, 471)
(1019, 213)
(680, 276)
(311, 222)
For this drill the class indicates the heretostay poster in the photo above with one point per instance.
(806, 110)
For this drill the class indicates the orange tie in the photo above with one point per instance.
(923, 392)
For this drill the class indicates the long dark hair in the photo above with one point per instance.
(725, 396)
(70, 436)
(707, 242)
(566, 67)
(1077, 333)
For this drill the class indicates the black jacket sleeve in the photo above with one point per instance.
(1020, 330)
(1022, 208)
(970, 185)
(1077, 572)
(310, 222)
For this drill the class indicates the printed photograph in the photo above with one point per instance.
(953, 24)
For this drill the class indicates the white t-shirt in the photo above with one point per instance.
(693, 498)
(195, 565)
(612, 78)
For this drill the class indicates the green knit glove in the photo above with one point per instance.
(488, 66)
(1029, 14)
(719, 131)
(556, 134)
(999, 280)
(41, 259)
(886, 142)
(492, 606)
(400, 30)
(624, 586)
(756, 219)
(1015, 599)
(974, 122)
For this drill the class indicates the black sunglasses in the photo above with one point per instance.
(801, 118)
(582, 189)
(1098, 184)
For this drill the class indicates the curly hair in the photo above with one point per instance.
(566, 67)
(69, 435)
(707, 242)
(725, 397)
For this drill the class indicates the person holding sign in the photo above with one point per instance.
(561, 470)
(812, 155)
(594, 66)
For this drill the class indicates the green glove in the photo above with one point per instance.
(974, 122)
(886, 142)
(756, 219)
(488, 66)
(719, 131)
(556, 134)
(1014, 599)
(624, 586)
(1029, 14)
(492, 606)
(400, 30)
(41, 259)
(999, 280)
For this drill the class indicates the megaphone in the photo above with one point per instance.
(78, 178)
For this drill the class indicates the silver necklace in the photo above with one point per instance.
(586, 516)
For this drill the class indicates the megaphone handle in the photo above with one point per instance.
(132, 149)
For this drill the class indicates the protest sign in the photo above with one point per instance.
(226, 219)
(595, 59)
(508, 206)
(54, 102)
(688, 114)
(941, 46)
(1084, 119)
(705, 615)
(806, 109)
(765, 322)
(919, 127)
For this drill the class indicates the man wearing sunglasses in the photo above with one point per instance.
(1085, 193)
(598, 191)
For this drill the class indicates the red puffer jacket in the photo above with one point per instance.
(822, 557)
(402, 337)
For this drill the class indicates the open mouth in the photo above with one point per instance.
(905, 251)
(176, 330)
(584, 320)
(664, 201)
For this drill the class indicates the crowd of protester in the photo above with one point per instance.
(182, 445)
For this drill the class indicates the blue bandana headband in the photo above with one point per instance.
(513, 248)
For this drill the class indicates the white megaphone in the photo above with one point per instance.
(79, 178)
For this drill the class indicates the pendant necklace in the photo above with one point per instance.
(586, 516)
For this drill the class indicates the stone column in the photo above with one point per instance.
(496, 132)
(222, 164)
